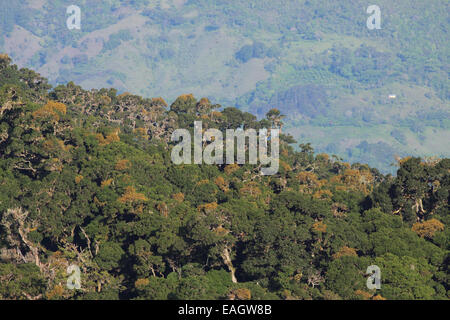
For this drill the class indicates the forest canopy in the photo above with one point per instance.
(86, 179)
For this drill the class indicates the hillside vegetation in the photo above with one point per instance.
(86, 178)
(314, 60)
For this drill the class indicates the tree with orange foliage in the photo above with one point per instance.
(122, 165)
(142, 132)
(207, 207)
(240, 294)
(106, 183)
(323, 194)
(229, 169)
(131, 195)
(319, 226)
(428, 228)
(250, 190)
(178, 197)
(159, 102)
(78, 179)
(221, 183)
(112, 137)
(51, 109)
(345, 252)
(363, 294)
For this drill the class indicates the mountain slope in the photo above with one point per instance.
(87, 182)
(261, 54)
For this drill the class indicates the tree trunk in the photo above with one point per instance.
(226, 258)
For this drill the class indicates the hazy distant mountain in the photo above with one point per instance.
(362, 94)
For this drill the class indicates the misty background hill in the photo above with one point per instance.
(364, 95)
